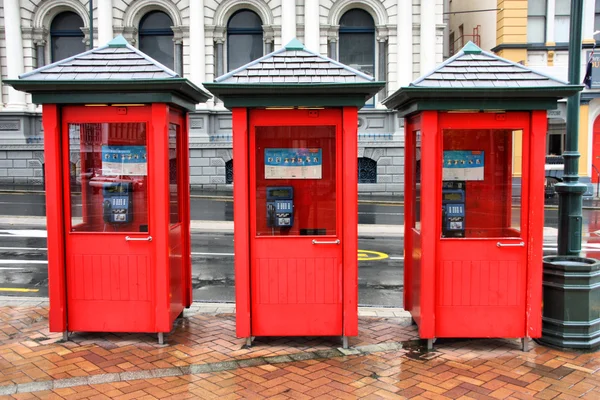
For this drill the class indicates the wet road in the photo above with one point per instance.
(23, 253)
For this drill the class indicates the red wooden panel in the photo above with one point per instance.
(595, 149)
(414, 282)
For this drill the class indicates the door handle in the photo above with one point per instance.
(337, 241)
(130, 239)
(520, 244)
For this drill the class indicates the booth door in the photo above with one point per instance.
(482, 251)
(107, 234)
(295, 213)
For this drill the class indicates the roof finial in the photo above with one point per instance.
(118, 41)
(471, 48)
(294, 44)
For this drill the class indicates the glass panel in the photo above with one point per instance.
(357, 19)
(156, 20)
(563, 7)
(357, 50)
(477, 193)
(597, 9)
(417, 183)
(160, 48)
(536, 29)
(67, 21)
(245, 20)
(241, 49)
(66, 46)
(597, 21)
(536, 7)
(109, 186)
(295, 180)
(561, 29)
(174, 166)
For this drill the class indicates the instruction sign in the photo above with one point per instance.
(461, 165)
(124, 160)
(293, 163)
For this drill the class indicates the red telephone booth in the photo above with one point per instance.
(295, 192)
(475, 134)
(117, 189)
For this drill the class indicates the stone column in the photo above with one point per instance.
(382, 62)
(288, 21)
(40, 53)
(197, 71)
(105, 21)
(14, 52)
(178, 55)
(311, 25)
(219, 59)
(269, 39)
(404, 44)
(332, 42)
(428, 44)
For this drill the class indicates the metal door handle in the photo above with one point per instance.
(337, 241)
(130, 239)
(520, 244)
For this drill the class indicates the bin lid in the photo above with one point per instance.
(294, 76)
(116, 73)
(474, 79)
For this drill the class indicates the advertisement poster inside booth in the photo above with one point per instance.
(293, 163)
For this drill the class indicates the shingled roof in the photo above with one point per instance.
(115, 67)
(483, 80)
(291, 73)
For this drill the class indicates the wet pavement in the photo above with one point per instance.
(202, 358)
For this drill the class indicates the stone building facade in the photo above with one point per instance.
(394, 40)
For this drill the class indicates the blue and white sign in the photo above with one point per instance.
(124, 160)
(293, 163)
(461, 165)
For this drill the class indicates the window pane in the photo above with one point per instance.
(160, 48)
(66, 46)
(67, 21)
(417, 182)
(109, 189)
(357, 50)
(296, 163)
(597, 22)
(241, 49)
(563, 7)
(536, 7)
(477, 195)
(174, 167)
(245, 20)
(155, 20)
(536, 29)
(357, 19)
(561, 29)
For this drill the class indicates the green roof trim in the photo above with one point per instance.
(294, 44)
(471, 48)
(118, 41)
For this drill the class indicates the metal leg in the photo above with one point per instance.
(66, 336)
(345, 342)
(161, 338)
(249, 341)
(525, 344)
(429, 344)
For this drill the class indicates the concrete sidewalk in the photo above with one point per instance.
(203, 359)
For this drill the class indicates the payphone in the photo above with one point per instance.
(118, 202)
(453, 209)
(280, 207)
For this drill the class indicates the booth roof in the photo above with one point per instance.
(476, 79)
(292, 76)
(115, 68)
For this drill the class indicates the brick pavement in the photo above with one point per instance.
(204, 359)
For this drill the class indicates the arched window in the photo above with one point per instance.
(156, 37)
(367, 170)
(357, 41)
(244, 39)
(66, 37)
(229, 172)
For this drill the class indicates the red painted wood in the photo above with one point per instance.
(536, 224)
(184, 177)
(596, 150)
(296, 286)
(54, 218)
(431, 182)
(350, 220)
(241, 217)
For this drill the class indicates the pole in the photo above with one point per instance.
(570, 191)
(91, 3)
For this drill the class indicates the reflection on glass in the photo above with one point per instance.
(295, 180)
(477, 173)
(174, 161)
(416, 165)
(109, 181)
